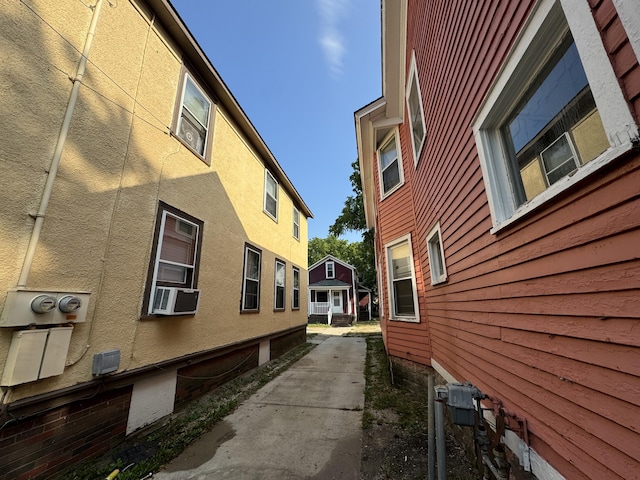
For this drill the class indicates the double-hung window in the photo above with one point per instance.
(436, 255)
(175, 254)
(295, 294)
(390, 166)
(330, 269)
(554, 114)
(251, 279)
(416, 113)
(403, 297)
(194, 120)
(279, 290)
(270, 195)
(296, 223)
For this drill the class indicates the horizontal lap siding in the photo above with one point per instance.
(545, 315)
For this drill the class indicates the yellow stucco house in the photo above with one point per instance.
(147, 232)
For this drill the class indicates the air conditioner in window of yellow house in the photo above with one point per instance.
(175, 301)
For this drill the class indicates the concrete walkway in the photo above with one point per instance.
(306, 423)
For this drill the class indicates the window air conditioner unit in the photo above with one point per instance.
(190, 134)
(175, 301)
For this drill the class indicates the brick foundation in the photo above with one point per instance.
(203, 377)
(39, 446)
(284, 343)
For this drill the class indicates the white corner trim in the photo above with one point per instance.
(629, 13)
(612, 106)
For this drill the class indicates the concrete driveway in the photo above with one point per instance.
(306, 423)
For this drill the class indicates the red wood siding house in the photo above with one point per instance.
(502, 261)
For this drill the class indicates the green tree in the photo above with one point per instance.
(352, 219)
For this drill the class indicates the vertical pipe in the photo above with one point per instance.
(55, 161)
(442, 457)
(431, 428)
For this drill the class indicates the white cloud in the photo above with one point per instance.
(331, 41)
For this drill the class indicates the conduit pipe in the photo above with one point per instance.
(55, 162)
(441, 398)
(431, 428)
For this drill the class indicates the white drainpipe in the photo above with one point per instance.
(55, 162)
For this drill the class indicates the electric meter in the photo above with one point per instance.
(69, 304)
(43, 304)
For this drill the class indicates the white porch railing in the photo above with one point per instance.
(319, 308)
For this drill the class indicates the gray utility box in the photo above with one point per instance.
(460, 402)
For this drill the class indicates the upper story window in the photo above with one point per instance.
(416, 113)
(296, 223)
(194, 121)
(251, 279)
(436, 255)
(330, 269)
(270, 195)
(390, 166)
(403, 295)
(279, 290)
(176, 258)
(553, 115)
(295, 295)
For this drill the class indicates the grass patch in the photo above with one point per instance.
(169, 438)
(381, 395)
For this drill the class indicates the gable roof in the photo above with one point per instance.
(334, 259)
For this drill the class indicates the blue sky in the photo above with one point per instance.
(299, 69)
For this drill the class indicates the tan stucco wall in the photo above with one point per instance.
(119, 161)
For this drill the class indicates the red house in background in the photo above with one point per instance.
(334, 295)
(501, 172)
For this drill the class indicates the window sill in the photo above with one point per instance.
(268, 214)
(386, 195)
(610, 155)
(154, 316)
(405, 319)
(205, 160)
(249, 311)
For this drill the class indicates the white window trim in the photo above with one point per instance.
(413, 76)
(533, 47)
(333, 269)
(207, 136)
(393, 135)
(247, 248)
(295, 270)
(267, 175)
(157, 261)
(392, 315)
(436, 279)
(275, 286)
(296, 212)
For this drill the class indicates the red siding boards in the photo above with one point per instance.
(544, 315)
(580, 436)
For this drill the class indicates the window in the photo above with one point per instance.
(330, 269)
(251, 279)
(402, 285)
(270, 195)
(295, 294)
(193, 123)
(390, 165)
(296, 223)
(280, 273)
(175, 254)
(548, 120)
(436, 255)
(416, 114)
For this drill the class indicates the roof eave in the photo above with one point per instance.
(168, 17)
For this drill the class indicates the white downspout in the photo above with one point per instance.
(55, 162)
